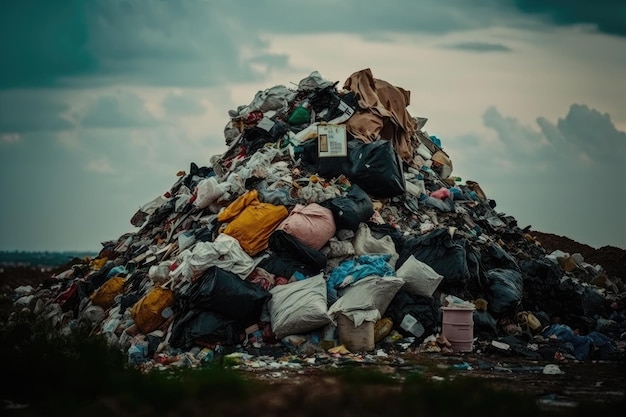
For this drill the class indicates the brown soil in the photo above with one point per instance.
(612, 259)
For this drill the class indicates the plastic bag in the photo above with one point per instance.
(299, 307)
(419, 278)
(358, 299)
(505, 291)
(351, 209)
(377, 168)
(225, 293)
(147, 312)
(105, 295)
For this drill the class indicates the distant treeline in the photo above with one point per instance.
(38, 259)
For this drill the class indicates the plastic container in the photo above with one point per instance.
(458, 328)
(355, 338)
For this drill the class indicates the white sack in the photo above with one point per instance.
(358, 299)
(366, 244)
(419, 277)
(299, 307)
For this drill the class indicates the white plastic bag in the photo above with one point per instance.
(358, 300)
(299, 307)
(208, 191)
(366, 244)
(419, 277)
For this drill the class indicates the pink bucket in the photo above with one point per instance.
(458, 328)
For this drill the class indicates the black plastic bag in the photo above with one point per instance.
(327, 167)
(494, 256)
(484, 323)
(225, 293)
(295, 255)
(450, 256)
(377, 168)
(541, 286)
(203, 327)
(352, 209)
(505, 291)
(424, 309)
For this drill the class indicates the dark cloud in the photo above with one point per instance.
(568, 171)
(182, 105)
(28, 111)
(589, 134)
(43, 42)
(206, 43)
(369, 18)
(195, 42)
(583, 139)
(479, 47)
(148, 42)
(516, 137)
(122, 111)
(608, 16)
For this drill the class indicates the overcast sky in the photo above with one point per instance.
(103, 102)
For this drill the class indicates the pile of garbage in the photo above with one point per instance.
(331, 225)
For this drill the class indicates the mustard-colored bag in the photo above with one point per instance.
(147, 312)
(252, 222)
(98, 263)
(105, 295)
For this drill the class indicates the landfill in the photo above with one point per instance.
(331, 227)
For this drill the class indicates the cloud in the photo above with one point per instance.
(143, 42)
(32, 111)
(479, 47)
(517, 138)
(125, 110)
(588, 134)
(371, 18)
(182, 105)
(608, 16)
(10, 138)
(568, 171)
(43, 42)
(192, 43)
(584, 140)
(100, 165)
(268, 62)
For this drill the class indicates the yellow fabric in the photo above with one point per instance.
(98, 263)
(252, 222)
(146, 313)
(105, 295)
(237, 206)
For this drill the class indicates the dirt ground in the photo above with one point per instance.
(574, 381)
(600, 382)
(612, 259)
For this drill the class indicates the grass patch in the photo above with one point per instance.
(68, 375)
(80, 375)
(362, 376)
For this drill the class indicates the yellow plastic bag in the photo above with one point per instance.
(147, 312)
(98, 263)
(252, 222)
(105, 295)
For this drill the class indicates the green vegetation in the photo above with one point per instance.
(80, 375)
(40, 259)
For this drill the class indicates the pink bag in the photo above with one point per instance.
(313, 225)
